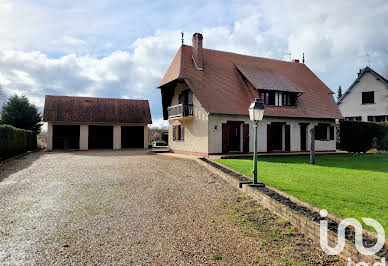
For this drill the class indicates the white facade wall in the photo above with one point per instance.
(195, 129)
(116, 137)
(352, 106)
(49, 136)
(215, 132)
(84, 137)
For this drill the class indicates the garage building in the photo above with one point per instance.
(82, 123)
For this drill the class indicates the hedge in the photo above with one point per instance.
(358, 136)
(14, 141)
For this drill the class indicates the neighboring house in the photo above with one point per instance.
(366, 99)
(96, 123)
(206, 95)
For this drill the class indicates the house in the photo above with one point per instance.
(96, 123)
(367, 98)
(206, 95)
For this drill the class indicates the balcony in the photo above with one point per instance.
(180, 111)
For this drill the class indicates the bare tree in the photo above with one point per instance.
(3, 97)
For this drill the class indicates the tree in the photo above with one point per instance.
(20, 113)
(3, 97)
(339, 95)
(156, 136)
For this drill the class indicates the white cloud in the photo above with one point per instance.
(159, 123)
(333, 35)
(73, 41)
(6, 6)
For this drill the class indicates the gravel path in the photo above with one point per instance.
(129, 207)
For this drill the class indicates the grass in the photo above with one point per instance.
(346, 185)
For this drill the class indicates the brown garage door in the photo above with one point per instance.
(132, 137)
(66, 136)
(100, 137)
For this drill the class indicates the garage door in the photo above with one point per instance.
(66, 137)
(132, 137)
(100, 137)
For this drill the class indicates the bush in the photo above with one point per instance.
(14, 141)
(361, 136)
(382, 142)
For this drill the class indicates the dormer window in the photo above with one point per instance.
(278, 98)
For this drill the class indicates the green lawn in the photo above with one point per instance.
(344, 184)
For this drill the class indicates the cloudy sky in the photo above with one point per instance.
(116, 48)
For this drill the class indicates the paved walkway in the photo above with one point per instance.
(129, 207)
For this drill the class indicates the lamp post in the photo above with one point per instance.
(256, 113)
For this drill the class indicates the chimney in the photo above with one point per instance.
(295, 60)
(197, 51)
(359, 72)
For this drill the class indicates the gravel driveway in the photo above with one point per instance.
(129, 207)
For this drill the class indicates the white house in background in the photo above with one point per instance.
(366, 99)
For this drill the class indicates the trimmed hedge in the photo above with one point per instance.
(362, 136)
(14, 141)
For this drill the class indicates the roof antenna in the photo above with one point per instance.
(303, 59)
(369, 60)
(289, 54)
(183, 40)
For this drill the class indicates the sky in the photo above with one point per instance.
(121, 49)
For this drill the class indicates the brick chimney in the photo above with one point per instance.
(197, 51)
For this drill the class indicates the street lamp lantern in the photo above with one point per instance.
(256, 110)
(256, 114)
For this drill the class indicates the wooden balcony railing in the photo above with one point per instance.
(180, 110)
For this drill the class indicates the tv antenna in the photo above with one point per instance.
(183, 40)
(289, 54)
(369, 60)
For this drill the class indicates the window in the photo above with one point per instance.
(353, 118)
(185, 97)
(321, 132)
(289, 99)
(378, 118)
(282, 98)
(178, 132)
(268, 97)
(368, 97)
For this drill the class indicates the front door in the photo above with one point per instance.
(234, 137)
(275, 137)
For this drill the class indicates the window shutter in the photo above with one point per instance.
(331, 132)
(182, 132)
(174, 132)
(246, 138)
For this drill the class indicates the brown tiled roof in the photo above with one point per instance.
(221, 88)
(98, 110)
(266, 79)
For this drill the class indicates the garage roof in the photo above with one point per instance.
(98, 110)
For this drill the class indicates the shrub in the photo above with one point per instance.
(14, 141)
(382, 142)
(361, 136)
